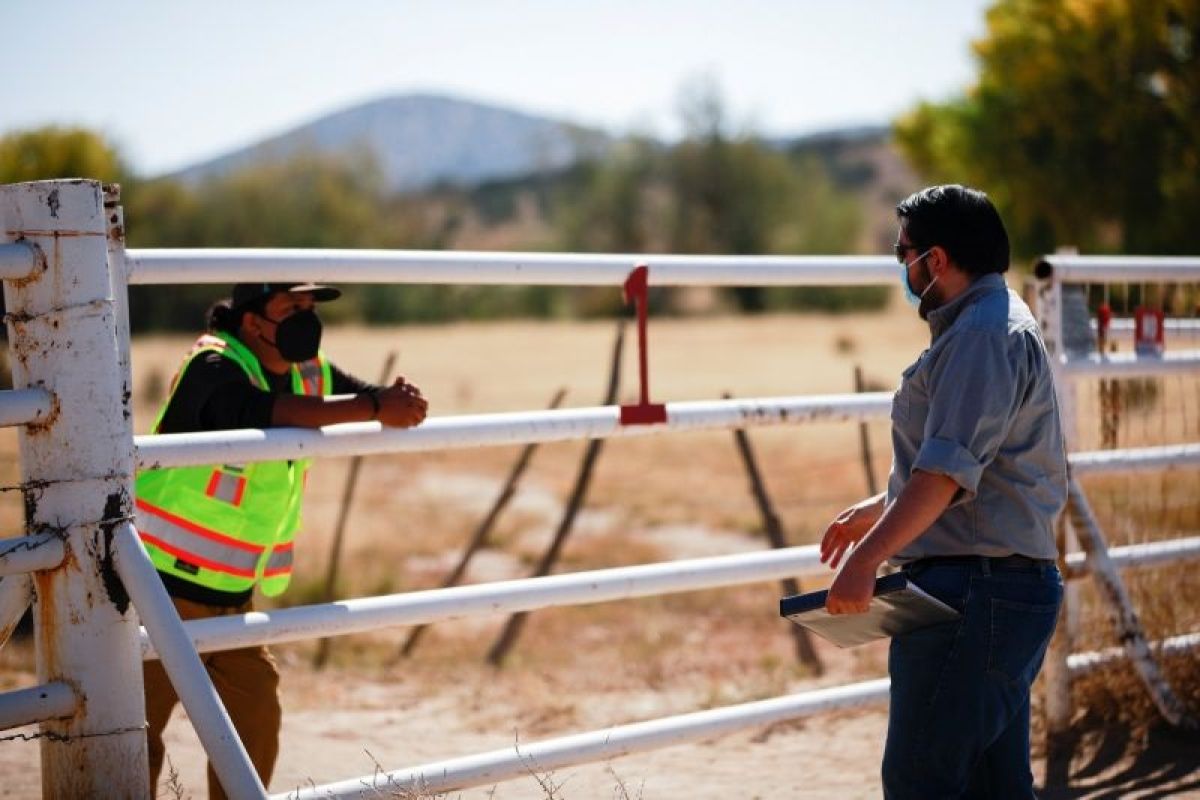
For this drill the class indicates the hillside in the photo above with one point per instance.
(422, 140)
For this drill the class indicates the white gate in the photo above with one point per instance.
(65, 270)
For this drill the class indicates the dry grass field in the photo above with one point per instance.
(652, 498)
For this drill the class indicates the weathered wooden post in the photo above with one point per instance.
(77, 471)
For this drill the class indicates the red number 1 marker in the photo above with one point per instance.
(637, 287)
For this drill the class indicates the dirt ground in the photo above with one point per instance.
(652, 499)
(342, 724)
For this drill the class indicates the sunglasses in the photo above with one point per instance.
(900, 249)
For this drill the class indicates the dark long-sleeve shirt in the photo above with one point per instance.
(215, 394)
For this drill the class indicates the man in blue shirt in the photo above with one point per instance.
(978, 478)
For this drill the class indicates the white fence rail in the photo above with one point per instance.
(555, 591)
(24, 406)
(169, 266)
(477, 430)
(27, 706)
(546, 756)
(1117, 269)
(17, 260)
(1129, 365)
(30, 553)
(543, 757)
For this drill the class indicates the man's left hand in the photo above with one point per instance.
(852, 588)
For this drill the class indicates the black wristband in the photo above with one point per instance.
(373, 395)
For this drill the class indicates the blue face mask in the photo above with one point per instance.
(910, 295)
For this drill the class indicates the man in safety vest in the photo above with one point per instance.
(215, 532)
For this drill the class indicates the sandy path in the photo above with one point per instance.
(340, 726)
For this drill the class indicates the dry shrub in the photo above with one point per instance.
(1166, 598)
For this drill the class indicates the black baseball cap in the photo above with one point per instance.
(246, 293)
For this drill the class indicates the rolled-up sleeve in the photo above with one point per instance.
(973, 390)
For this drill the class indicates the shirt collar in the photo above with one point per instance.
(940, 319)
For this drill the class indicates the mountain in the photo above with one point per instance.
(421, 140)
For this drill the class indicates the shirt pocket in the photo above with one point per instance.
(902, 398)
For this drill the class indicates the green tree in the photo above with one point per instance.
(732, 194)
(614, 212)
(57, 152)
(306, 201)
(1084, 124)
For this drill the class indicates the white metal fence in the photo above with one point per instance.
(66, 270)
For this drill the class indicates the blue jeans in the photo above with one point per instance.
(958, 725)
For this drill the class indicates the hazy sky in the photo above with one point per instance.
(176, 81)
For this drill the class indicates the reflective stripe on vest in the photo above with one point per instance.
(226, 486)
(280, 561)
(195, 544)
(312, 377)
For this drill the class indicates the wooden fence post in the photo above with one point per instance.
(480, 536)
(512, 628)
(774, 531)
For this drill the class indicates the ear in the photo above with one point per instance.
(249, 322)
(938, 261)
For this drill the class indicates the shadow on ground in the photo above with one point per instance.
(1103, 762)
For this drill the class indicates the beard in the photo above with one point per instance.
(932, 298)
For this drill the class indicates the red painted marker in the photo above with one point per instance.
(637, 288)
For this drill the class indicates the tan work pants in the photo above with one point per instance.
(248, 684)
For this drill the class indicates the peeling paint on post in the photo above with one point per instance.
(78, 468)
(1059, 708)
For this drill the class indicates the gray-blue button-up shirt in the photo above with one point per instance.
(978, 406)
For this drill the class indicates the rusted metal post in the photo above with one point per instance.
(479, 538)
(77, 470)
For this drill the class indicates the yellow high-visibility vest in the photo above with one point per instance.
(228, 526)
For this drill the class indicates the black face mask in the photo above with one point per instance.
(298, 337)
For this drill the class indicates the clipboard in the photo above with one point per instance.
(898, 606)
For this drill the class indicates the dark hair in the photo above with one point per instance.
(961, 220)
(223, 316)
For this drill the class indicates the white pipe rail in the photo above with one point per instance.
(17, 261)
(542, 757)
(26, 706)
(230, 265)
(1147, 554)
(502, 597)
(183, 666)
(1131, 365)
(23, 406)
(1118, 269)
(524, 427)
(30, 553)
(581, 588)
(1137, 459)
(1181, 326)
(1082, 664)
